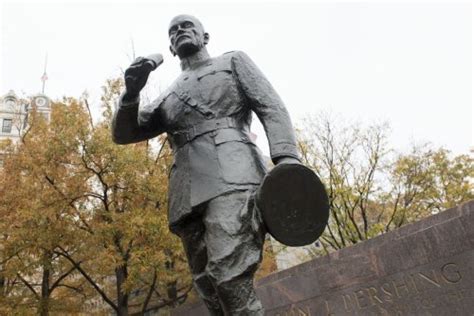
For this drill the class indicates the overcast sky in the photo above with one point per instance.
(409, 64)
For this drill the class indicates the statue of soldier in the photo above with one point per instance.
(206, 113)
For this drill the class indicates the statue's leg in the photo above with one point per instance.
(192, 236)
(234, 240)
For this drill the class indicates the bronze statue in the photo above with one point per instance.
(217, 169)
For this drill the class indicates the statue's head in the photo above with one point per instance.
(187, 36)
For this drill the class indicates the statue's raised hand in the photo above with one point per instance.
(137, 74)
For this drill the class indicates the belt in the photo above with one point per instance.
(180, 138)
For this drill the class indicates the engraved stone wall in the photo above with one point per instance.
(424, 268)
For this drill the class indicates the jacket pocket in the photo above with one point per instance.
(238, 157)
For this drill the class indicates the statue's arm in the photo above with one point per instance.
(126, 127)
(270, 109)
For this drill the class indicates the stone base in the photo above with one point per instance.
(423, 268)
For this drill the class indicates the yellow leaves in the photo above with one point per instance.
(432, 180)
(66, 187)
(111, 90)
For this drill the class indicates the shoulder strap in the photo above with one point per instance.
(184, 96)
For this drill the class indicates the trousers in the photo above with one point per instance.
(223, 241)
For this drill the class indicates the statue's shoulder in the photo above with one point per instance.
(229, 57)
(222, 62)
(230, 53)
(234, 53)
(174, 86)
(224, 58)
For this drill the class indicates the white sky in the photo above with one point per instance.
(410, 64)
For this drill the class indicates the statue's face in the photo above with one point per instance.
(186, 36)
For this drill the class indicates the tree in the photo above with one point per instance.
(37, 177)
(371, 188)
(348, 158)
(427, 181)
(96, 210)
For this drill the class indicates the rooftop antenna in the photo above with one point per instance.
(44, 77)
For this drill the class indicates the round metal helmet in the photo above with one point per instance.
(293, 204)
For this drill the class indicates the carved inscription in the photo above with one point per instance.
(404, 286)
(296, 311)
(383, 296)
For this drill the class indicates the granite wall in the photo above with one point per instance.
(424, 268)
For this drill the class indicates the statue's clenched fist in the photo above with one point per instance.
(137, 74)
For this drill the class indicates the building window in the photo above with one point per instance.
(7, 126)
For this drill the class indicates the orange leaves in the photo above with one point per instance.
(67, 189)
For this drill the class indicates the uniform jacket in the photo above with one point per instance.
(206, 113)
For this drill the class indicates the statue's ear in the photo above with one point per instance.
(172, 51)
(206, 38)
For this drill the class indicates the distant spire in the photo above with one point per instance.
(44, 77)
(133, 48)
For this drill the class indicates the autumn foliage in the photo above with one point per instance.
(84, 222)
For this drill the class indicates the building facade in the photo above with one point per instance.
(14, 113)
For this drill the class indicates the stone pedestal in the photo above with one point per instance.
(424, 268)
